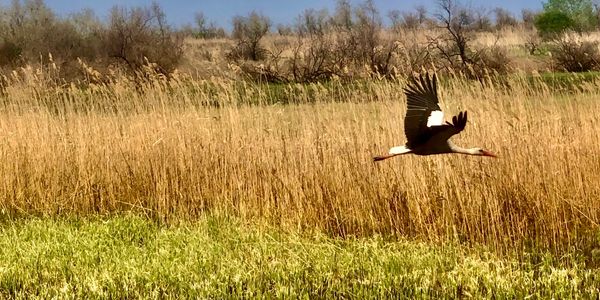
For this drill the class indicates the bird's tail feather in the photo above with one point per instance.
(399, 150)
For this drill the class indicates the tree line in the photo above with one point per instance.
(326, 43)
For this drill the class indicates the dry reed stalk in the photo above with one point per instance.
(170, 154)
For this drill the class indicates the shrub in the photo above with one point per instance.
(453, 45)
(342, 17)
(528, 18)
(365, 35)
(31, 30)
(346, 46)
(141, 35)
(413, 57)
(494, 59)
(9, 53)
(482, 21)
(504, 18)
(552, 23)
(285, 30)
(581, 12)
(248, 32)
(532, 42)
(410, 20)
(572, 55)
(311, 22)
(206, 30)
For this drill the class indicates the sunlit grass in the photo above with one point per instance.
(180, 149)
(132, 257)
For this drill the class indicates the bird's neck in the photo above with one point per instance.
(461, 150)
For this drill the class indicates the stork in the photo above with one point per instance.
(424, 127)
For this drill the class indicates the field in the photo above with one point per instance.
(289, 167)
(130, 257)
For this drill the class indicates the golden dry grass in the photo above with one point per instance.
(176, 151)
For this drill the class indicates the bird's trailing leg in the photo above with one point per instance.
(382, 157)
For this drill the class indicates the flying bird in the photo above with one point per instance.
(424, 127)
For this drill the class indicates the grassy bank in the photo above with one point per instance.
(132, 257)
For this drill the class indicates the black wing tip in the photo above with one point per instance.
(423, 78)
(460, 121)
(423, 83)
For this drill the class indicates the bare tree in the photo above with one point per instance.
(205, 29)
(456, 20)
(395, 17)
(482, 20)
(201, 24)
(453, 46)
(410, 20)
(312, 22)
(248, 32)
(504, 18)
(342, 17)
(421, 12)
(137, 35)
(86, 22)
(285, 30)
(367, 32)
(528, 17)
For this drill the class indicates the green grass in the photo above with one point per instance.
(566, 81)
(130, 257)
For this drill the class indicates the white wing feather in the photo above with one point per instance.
(436, 118)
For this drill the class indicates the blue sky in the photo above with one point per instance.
(180, 12)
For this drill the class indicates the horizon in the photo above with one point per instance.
(181, 13)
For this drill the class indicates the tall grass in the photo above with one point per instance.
(178, 150)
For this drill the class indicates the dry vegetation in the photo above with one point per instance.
(180, 148)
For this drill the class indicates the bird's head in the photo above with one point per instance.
(482, 152)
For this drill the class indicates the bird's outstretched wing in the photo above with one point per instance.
(423, 111)
(444, 132)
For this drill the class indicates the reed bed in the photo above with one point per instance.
(300, 157)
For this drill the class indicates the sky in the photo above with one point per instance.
(181, 12)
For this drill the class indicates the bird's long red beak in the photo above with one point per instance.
(490, 154)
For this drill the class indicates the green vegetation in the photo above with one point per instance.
(581, 12)
(564, 82)
(130, 257)
(561, 15)
(552, 23)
